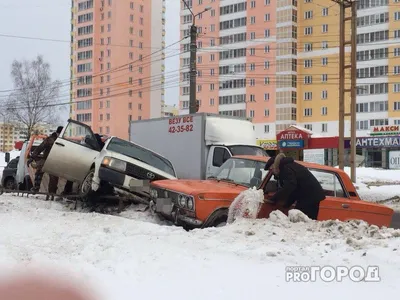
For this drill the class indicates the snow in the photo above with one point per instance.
(249, 202)
(378, 185)
(123, 258)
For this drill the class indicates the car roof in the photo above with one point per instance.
(306, 164)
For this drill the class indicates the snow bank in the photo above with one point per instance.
(128, 259)
(373, 175)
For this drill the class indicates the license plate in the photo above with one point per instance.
(139, 185)
(164, 205)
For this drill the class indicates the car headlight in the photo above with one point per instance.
(154, 194)
(182, 200)
(114, 163)
(190, 203)
(186, 201)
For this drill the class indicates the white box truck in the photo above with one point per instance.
(196, 144)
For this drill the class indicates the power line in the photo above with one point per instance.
(111, 70)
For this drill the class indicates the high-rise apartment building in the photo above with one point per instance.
(235, 61)
(278, 63)
(378, 66)
(117, 62)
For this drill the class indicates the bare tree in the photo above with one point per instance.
(35, 96)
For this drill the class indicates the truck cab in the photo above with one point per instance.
(218, 154)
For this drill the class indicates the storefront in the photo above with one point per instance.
(270, 146)
(380, 151)
(298, 142)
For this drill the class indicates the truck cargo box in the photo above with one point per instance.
(185, 139)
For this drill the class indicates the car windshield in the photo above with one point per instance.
(241, 171)
(142, 154)
(247, 150)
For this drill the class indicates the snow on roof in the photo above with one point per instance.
(301, 128)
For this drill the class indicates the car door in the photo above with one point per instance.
(218, 155)
(337, 204)
(70, 157)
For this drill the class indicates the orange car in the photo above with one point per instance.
(205, 203)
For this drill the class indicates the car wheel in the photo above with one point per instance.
(86, 186)
(9, 184)
(220, 222)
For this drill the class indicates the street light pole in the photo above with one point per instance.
(193, 68)
(193, 57)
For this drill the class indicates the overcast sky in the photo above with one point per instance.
(50, 19)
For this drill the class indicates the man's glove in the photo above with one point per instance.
(269, 201)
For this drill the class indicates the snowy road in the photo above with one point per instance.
(140, 259)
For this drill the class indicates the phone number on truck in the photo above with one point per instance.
(180, 128)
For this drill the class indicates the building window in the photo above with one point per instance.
(308, 96)
(308, 126)
(324, 111)
(324, 127)
(308, 63)
(308, 112)
(308, 15)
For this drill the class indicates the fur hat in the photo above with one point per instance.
(274, 161)
(277, 161)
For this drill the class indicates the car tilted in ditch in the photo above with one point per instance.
(205, 203)
(101, 166)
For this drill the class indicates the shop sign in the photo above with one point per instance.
(268, 144)
(316, 156)
(291, 144)
(385, 130)
(378, 142)
(394, 159)
(292, 135)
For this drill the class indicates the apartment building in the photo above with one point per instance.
(378, 66)
(11, 132)
(235, 61)
(117, 62)
(277, 62)
(169, 110)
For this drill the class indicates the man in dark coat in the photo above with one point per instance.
(298, 185)
(45, 147)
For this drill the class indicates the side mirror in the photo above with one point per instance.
(272, 186)
(92, 143)
(7, 157)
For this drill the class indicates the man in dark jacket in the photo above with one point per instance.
(45, 147)
(298, 185)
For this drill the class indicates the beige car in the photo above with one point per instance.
(125, 166)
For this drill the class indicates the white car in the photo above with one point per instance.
(127, 167)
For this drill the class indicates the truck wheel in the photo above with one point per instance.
(85, 187)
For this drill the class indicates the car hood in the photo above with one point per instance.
(195, 187)
(131, 160)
